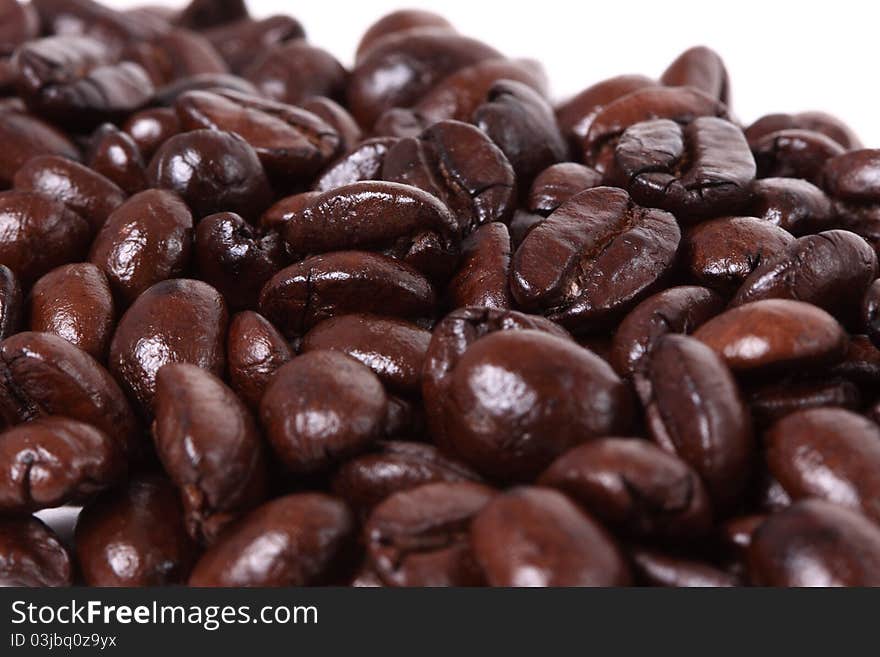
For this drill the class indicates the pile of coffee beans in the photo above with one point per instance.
(270, 321)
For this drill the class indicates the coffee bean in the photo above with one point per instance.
(239, 41)
(399, 21)
(10, 303)
(558, 183)
(484, 270)
(700, 68)
(255, 349)
(204, 14)
(150, 128)
(773, 401)
(115, 156)
(24, 137)
(31, 554)
(363, 162)
(794, 154)
(854, 176)
(175, 55)
(815, 121)
(337, 117)
(659, 569)
(295, 70)
(795, 205)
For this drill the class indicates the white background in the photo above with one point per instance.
(783, 56)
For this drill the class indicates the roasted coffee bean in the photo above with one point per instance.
(675, 310)
(321, 408)
(115, 155)
(363, 162)
(210, 446)
(281, 212)
(31, 554)
(145, 240)
(53, 461)
(460, 165)
(843, 446)
(399, 220)
(700, 68)
(704, 169)
(255, 350)
(404, 419)
(634, 487)
(10, 303)
(175, 55)
(659, 569)
(28, 219)
(593, 259)
(816, 121)
(168, 95)
(522, 224)
(295, 70)
(795, 205)
(174, 321)
(239, 41)
(737, 533)
(135, 536)
(831, 270)
(290, 142)
(533, 536)
(75, 303)
(794, 154)
(42, 374)
(773, 401)
(74, 82)
(337, 117)
(860, 364)
(86, 192)
(392, 467)
(19, 23)
(694, 409)
(421, 536)
(399, 21)
(237, 258)
(815, 543)
(484, 270)
(721, 253)
(558, 183)
(150, 128)
(296, 540)
(402, 67)
(522, 125)
(870, 312)
(213, 171)
(204, 14)
(25, 137)
(344, 282)
(392, 348)
(854, 176)
(774, 335)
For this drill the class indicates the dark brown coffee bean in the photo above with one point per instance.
(146, 240)
(484, 270)
(558, 183)
(42, 374)
(421, 536)
(240, 41)
(25, 137)
(237, 258)
(212, 171)
(694, 409)
(394, 466)
(75, 303)
(773, 401)
(135, 536)
(815, 121)
(634, 487)
(210, 447)
(870, 314)
(115, 155)
(721, 253)
(794, 154)
(860, 364)
(213, 82)
(774, 334)
(296, 70)
(28, 219)
(19, 23)
(815, 543)
(675, 310)
(399, 21)
(150, 128)
(704, 169)
(321, 408)
(793, 204)
(700, 68)
(460, 165)
(255, 350)
(534, 536)
(204, 14)
(843, 446)
(11, 302)
(53, 461)
(737, 533)
(392, 348)
(655, 568)
(175, 55)
(831, 270)
(522, 224)
(344, 282)
(363, 162)
(31, 554)
(174, 321)
(404, 419)
(86, 192)
(309, 534)
(282, 211)
(337, 117)
(854, 176)
(593, 259)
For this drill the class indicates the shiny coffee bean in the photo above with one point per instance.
(655, 568)
(694, 410)
(150, 128)
(296, 540)
(174, 321)
(337, 117)
(239, 41)
(700, 68)
(793, 204)
(815, 543)
(774, 401)
(484, 270)
(634, 487)
(861, 363)
(115, 155)
(399, 21)
(145, 240)
(362, 162)
(344, 282)
(421, 536)
(821, 122)
(534, 536)
(255, 350)
(25, 137)
(558, 183)
(774, 335)
(282, 211)
(135, 536)
(11, 303)
(32, 555)
(175, 55)
(167, 96)
(392, 348)
(296, 70)
(321, 408)
(854, 176)
(794, 154)
(75, 302)
(212, 171)
(593, 259)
